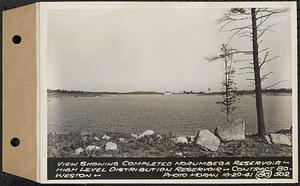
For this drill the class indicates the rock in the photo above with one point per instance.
(290, 137)
(85, 133)
(159, 136)
(178, 154)
(66, 144)
(179, 140)
(207, 140)
(96, 138)
(106, 137)
(280, 139)
(111, 146)
(121, 139)
(191, 139)
(234, 130)
(146, 133)
(79, 151)
(92, 148)
(268, 139)
(134, 135)
(84, 138)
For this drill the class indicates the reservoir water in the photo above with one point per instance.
(178, 114)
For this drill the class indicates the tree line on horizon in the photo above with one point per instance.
(239, 92)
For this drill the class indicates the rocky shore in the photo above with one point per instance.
(227, 141)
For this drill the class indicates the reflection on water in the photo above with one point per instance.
(179, 114)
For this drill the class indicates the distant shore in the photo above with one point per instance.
(75, 93)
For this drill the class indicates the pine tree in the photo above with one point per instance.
(229, 88)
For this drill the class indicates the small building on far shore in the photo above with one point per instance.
(167, 93)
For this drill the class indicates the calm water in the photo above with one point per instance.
(179, 114)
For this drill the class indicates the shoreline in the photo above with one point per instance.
(92, 95)
(84, 144)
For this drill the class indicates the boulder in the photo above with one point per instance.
(268, 139)
(234, 130)
(146, 133)
(280, 139)
(178, 154)
(207, 140)
(180, 139)
(79, 151)
(121, 139)
(106, 137)
(191, 139)
(290, 137)
(159, 136)
(134, 135)
(92, 148)
(111, 146)
(96, 138)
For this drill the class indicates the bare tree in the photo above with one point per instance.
(252, 23)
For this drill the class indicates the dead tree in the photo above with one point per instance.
(252, 23)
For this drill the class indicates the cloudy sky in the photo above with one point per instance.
(157, 49)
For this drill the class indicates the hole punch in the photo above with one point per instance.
(16, 39)
(15, 142)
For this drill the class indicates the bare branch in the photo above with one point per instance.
(244, 60)
(266, 61)
(242, 73)
(264, 30)
(243, 68)
(266, 55)
(274, 84)
(270, 13)
(263, 50)
(265, 76)
(229, 53)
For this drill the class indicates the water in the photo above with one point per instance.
(179, 114)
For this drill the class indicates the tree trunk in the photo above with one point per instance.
(258, 92)
(226, 91)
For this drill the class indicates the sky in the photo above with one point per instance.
(151, 49)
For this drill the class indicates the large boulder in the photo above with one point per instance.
(280, 139)
(234, 130)
(92, 148)
(180, 139)
(121, 139)
(207, 140)
(111, 146)
(134, 135)
(78, 151)
(146, 133)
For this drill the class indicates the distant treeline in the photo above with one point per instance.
(248, 92)
(80, 92)
(77, 93)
